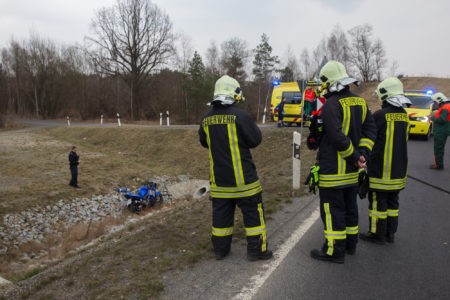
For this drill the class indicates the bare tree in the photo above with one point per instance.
(213, 59)
(131, 39)
(184, 53)
(338, 46)
(234, 58)
(318, 55)
(291, 62)
(393, 69)
(366, 55)
(305, 64)
(379, 59)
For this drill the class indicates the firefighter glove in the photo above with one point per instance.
(313, 179)
(363, 183)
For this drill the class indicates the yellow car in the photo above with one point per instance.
(418, 112)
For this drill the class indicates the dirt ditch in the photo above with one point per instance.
(43, 236)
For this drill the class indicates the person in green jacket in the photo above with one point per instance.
(441, 124)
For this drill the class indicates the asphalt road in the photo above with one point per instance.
(416, 266)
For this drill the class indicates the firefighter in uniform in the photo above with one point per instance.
(229, 132)
(348, 138)
(388, 163)
(441, 131)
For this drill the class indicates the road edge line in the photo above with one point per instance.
(258, 280)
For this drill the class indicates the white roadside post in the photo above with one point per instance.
(264, 116)
(68, 121)
(118, 120)
(296, 162)
(160, 119)
(168, 121)
(101, 119)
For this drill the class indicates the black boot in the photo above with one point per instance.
(390, 238)
(350, 250)
(319, 255)
(222, 255)
(260, 256)
(373, 238)
(221, 245)
(254, 252)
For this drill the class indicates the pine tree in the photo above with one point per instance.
(196, 86)
(264, 63)
(263, 66)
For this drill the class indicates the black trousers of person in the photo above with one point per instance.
(74, 172)
(254, 222)
(339, 213)
(383, 212)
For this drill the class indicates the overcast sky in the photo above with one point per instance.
(414, 32)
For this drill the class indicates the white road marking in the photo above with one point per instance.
(258, 280)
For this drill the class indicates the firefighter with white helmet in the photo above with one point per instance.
(229, 132)
(388, 163)
(441, 130)
(348, 137)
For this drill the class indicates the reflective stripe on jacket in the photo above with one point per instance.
(229, 133)
(349, 132)
(388, 162)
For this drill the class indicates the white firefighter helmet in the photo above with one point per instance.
(227, 90)
(334, 77)
(391, 90)
(389, 87)
(439, 98)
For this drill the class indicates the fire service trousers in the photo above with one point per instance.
(383, 212)
(223, 219)
(339, 213)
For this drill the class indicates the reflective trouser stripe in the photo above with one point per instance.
(392, 212)
(374, 214)
(352, 230)
(259, 230)
(263, 224)
(337, 235)
(328, 228)
(373, 219)
(222, 231)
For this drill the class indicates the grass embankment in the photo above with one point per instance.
(117, 156)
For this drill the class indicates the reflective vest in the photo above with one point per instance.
(438, 113)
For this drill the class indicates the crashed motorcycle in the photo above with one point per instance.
(147, 196)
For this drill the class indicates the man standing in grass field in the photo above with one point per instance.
(74, 161)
